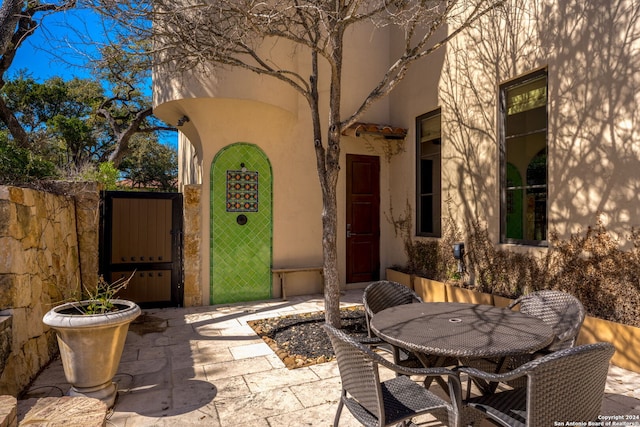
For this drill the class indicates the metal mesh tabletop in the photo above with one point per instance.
(461, 330)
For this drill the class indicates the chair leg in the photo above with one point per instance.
(396, 357)
(336, 420)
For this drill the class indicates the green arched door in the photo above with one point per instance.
(241, 224)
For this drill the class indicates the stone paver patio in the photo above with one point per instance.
(205, 366)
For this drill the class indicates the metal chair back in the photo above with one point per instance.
(562, 311)
(568, 385)
(384, 294)
(358, 372)
(564, 385)
(376, 403)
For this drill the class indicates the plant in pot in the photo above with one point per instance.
(91, 335)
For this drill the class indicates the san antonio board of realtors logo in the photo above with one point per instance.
(242, 191)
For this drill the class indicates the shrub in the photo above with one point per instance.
(432, 258)
(18, 165)
(501, 272)
(108, 174)
(593, 266)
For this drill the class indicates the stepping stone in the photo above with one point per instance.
(63, 411)
(8, 414)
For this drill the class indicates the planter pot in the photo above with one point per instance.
(502, 302)
(430, 290)
(91, 346)
(456, 294)
(400, 277)
(625, 338)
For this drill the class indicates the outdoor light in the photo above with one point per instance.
(458, 253)
(182, 120)
(458, 250)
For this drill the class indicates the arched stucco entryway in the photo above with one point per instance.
(241, 224)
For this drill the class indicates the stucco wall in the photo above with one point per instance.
(229, 107)
(297, 226)
(44, 240)
(594, 153)
(593, 142)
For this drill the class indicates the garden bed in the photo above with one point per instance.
(299, 340)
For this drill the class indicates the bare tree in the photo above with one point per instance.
(128, 110)
(229, 33)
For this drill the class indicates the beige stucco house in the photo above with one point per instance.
(528, 122)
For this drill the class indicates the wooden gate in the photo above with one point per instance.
(142, 232)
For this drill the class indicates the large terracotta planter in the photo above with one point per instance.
(91, 346)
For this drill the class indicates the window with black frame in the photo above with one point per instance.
(428, 170)
(524, 162)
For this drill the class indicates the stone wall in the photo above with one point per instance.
(48, 250)
(191, 245)
(6, 333)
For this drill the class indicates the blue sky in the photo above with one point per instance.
(60, 47)
(57, 44)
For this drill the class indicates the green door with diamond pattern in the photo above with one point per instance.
(241, 224)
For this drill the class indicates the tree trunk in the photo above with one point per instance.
(330, 249)
(330, 184)
(9, 16)
(328, 168)
(20, 137)
(123, 137)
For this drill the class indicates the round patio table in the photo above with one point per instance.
(460, 330)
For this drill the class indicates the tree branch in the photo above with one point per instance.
(9, 16)
(16, 25)
(123, 137)
(412, 53)
(15, 128)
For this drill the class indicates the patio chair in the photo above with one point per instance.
(564, 385)
(384, 294)
(382, 403)
(562, 311)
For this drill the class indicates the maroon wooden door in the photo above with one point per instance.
(363, 218)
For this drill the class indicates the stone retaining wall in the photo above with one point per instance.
(48, 247)
(5, 339)
(191, 245)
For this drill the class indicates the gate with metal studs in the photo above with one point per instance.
(142, 232)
